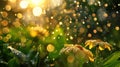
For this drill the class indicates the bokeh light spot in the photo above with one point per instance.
(23, 4)
(37, 11)
(70, 59)
(8, 7)
(50, 48)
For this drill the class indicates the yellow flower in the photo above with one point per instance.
(87, 52)
(33, 33)
(38, 31)
(108, 46)
(41, 30)
(78, 52)
(100, 48)
(100, 44)
(90, 43)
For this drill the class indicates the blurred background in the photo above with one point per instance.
(33, 32)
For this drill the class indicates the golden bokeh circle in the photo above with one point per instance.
(50, 48)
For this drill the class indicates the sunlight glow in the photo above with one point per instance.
(36, 2)
(23, 4)
(37, 11)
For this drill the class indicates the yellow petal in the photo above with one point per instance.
(33, 33)
(108, 47)
(100, 48)
(87, 43)
(91, 59)
(91, 46)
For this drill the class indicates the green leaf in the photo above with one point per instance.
(58, 40)
(114, 64)
(13, 63)
(112, 60)
(118, 65)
